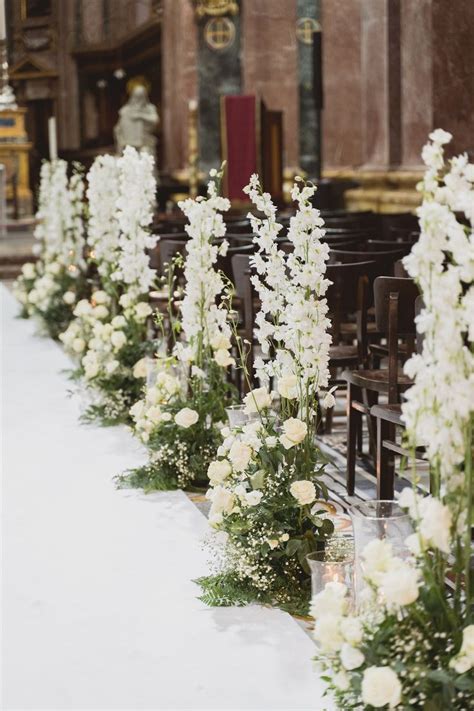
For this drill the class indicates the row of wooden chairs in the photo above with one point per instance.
(372, 306)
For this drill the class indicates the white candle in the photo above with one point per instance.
(3, 24)
(53, 138)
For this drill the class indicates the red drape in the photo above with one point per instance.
(239, 143)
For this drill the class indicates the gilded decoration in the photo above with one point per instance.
(216, 8)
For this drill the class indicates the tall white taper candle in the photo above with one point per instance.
(53, 138)
(3, 24)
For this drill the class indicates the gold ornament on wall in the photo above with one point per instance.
(305, 29)
(219, 33)
(216, 8)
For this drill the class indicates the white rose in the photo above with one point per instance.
(78, 345)
(222, 500)
(119, 321)
(83, 308)
(186, 417)
(381, 686)
(435, 525)
(154, 414)
(253, 498)
(330, 601)
(256, 400)
(378, 559)
(140, 368)
(240, 455)
(288, 387)
(100, 311)
(54, 268)
(399, 585)
(69, 297)
(327, 633)
(464, 661)
(137, 410)
(328, 401)
(100, 297)
(351, 628)
(351, 658)
(126, 300)
(304, 491)
(142, 310)
(166, 417)
(28, 270)
(223, 358)
(118, 339)
(294, 432)
(112, 366)
(220, 342)
(218, 471)
(341, 680)
(168, 383)
(271, 442)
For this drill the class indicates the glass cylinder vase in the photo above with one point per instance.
(378, 520)
(327, 568)
(236, 415)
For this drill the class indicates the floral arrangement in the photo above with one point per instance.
(110, 334)
(266, 481)
(49, 288)
(410, 643)
(181, 424)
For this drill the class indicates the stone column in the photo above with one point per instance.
(270, 63)
(342, 79)
(179, 57)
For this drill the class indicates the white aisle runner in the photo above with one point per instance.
(99, 611)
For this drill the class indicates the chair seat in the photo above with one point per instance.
(376, 380)
(389, 413)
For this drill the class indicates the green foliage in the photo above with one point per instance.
(227, 589)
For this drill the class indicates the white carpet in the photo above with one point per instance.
(99, 611)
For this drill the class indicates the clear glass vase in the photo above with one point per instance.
(328, 567)
(382, 520)
(236, 415)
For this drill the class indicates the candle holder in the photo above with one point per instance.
(236, 415)
(332, 566)
(378, 520)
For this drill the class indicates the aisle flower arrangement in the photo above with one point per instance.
(410, 643)
(266, 481)
(180, 413)
(109, 335)
(49, 288)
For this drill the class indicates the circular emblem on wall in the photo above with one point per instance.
(219, 33)
(305, 29)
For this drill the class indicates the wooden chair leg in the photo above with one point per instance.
(360, 437)
(329, 419)
(385, 463)
(353, 417)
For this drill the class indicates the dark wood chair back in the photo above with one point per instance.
(349, 293)
(384, 261)
(394, 301)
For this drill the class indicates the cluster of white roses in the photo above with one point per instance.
(439, 406)
(60, 241)
(97, 336)
(149, 412)
(291, 287)
(204, 324)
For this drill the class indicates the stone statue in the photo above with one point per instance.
(138, 121)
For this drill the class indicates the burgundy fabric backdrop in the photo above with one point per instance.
(239, 143)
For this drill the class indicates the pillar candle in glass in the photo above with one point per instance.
(326, 569)
(382, 520)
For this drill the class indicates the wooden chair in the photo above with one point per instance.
(388, 418)
(347, 294)
(394, 316)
